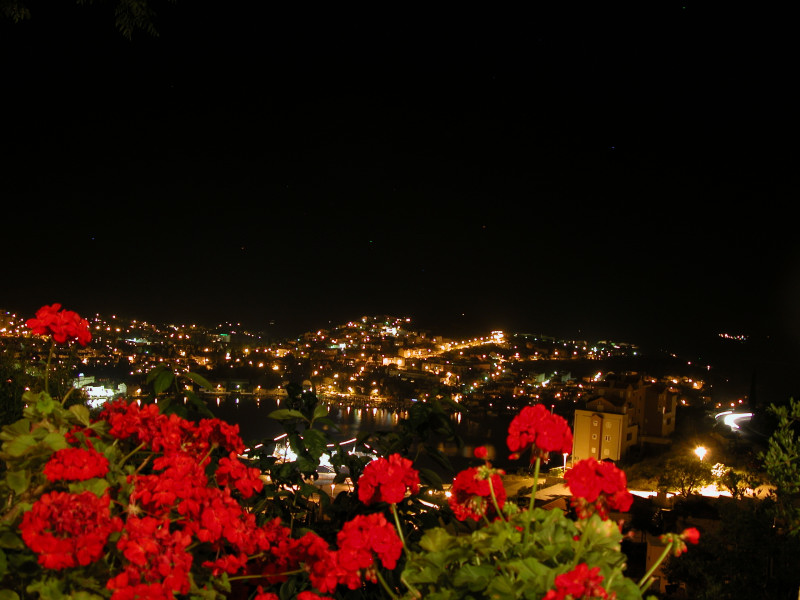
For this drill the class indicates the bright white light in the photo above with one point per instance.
(732, 419)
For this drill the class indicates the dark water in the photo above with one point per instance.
(255, 426)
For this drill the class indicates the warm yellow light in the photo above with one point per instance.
(700, 451)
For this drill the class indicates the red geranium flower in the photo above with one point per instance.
(387, 480)
(156, 557)
(67, 530)
(480, 452)
(75, 464)
(581, 582)
(691, 535)
(234, 473)
(543, 431)
(598, 487)
(62, 324)
(471, 497)
(365, 535)
(678, 541)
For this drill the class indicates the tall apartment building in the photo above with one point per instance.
(628, 412)
(603, 430)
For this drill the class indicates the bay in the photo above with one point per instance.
(251, 414)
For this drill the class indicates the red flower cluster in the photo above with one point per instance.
(678, 541)
(387, 480)
(306, 595)
(598, 487)
(157, 561)
(359, 541)
(67, 530)
(164, 433)
(471, 497)
(172, 507)
(186, 499)
(75, 464)
(691, 535)
(538, 428)
(580, 583)
(62, 324)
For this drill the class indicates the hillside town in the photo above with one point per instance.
(619, 409)
(386, 361)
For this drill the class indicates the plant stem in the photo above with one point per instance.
(643, 582)
(66, 396)
(386, 585)
(414, 590)
(533, 497)
(47, 368)
(132, 452)
(494, 501)
(399, 529)
(242, 577)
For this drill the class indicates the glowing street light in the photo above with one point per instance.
(700, 451)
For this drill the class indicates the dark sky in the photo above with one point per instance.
(603, 173)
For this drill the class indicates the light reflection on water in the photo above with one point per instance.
(255, 426)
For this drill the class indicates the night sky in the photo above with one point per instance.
(594, 173)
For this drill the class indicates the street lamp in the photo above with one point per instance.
(700, 451)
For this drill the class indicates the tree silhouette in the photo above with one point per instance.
(129, 15)
(685, 474)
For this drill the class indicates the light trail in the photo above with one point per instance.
(731, 419)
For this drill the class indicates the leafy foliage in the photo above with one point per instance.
(129, 15)
(685, 474)
(782, 463)
(173, 389)
(499, 561)
(746, 557)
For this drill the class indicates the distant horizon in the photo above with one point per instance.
(452, 330)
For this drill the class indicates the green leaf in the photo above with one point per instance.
(320, 411)
(163, 381)
(151, 375)
(82, 414)
(96, 485)
(83, 595)
(8, 595)
(55, 441)
(31, 398)
(438, 457)
(198, 379)
(283, 414)
(3, 566)
(502, 588)
(436, 540)
(315, 442)
(19, 445)
(49, 589)
(306, 465)
(431, 477)
(310, 490)
(20, 427)
(323, 422)
(474, 577)
(18, 481)
(45, 404)
(11, 541)
(199, 404)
